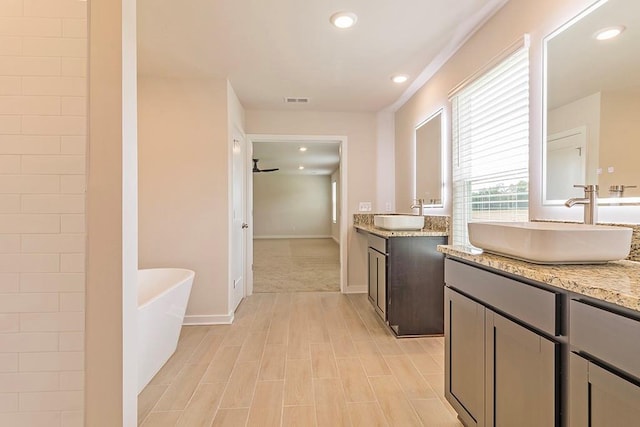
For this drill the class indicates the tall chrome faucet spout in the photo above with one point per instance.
(576, 201)
(418, 203)
(590, 202)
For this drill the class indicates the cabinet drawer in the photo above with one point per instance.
(534, 306)
(608, 336)
(378, 243)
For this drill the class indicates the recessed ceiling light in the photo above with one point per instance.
(303, 149)
(301, 167)
(399, 78)
(343, 19)
(609, 32)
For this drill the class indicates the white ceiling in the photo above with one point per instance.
(270, 49)
(321, 158)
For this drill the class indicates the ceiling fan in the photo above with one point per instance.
(256, 169)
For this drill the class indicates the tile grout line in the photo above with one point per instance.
(201, 383)
(224, 390)
(255, 386)
(368, 377)
(169, 385)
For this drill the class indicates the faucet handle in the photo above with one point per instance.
(618, 190)
(587, 187)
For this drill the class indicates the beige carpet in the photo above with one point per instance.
(294, 265)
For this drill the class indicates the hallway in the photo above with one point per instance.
(296, 265)
(299, 359)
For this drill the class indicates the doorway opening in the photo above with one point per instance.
(297, 220)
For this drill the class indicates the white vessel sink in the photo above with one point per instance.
(551, 242)
(399, 222)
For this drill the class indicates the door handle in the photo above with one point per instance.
(245, 225)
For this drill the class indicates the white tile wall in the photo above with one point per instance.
(43, 86)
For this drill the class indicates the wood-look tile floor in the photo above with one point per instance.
(299, 359)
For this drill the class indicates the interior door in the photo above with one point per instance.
(566, 164)
(238, 221)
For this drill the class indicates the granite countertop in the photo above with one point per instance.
(616, 282)
(434, 225)
(387, 233)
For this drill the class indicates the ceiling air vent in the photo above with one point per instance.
(295, 100)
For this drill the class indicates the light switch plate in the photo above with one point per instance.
(364, 207)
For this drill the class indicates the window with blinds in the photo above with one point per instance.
(490, 130)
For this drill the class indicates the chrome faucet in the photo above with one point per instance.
(590, 202)
(418, 203)
(618, 190)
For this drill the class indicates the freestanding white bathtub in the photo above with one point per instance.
(163, 294)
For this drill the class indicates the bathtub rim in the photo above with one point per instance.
(190, 276)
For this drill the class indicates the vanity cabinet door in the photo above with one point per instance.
(521, 371)
(600, 398)
(373, 277)
(378, 282)
(464, 353)
(382, 285)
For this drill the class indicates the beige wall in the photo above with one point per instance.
(235, 112)
(111, 297)
(360, 129)
(516, 18)
(620, 142)
(43, 96)
(291, 205)
(385, 177)
(184, 186)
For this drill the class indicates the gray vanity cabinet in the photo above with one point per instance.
(406, 282)
(464, 353)
(501, 366)
(604, 366)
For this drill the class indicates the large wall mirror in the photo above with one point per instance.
(429, 180)
(592, 105)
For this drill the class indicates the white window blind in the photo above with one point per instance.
(490, 130)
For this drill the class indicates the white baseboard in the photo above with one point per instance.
(292, 237)
(356, 289)
(209, 319)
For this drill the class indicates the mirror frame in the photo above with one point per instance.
(605, 201)
(439, 112)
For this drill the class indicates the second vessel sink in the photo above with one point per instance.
(551, 242)
(399, 222)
